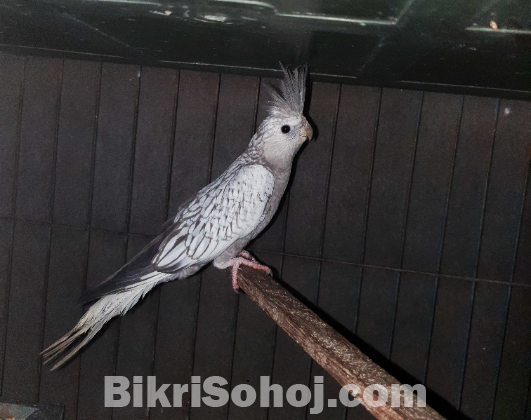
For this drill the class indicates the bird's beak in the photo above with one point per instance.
(307, 131)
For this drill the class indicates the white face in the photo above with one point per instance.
(291, 129)
(282, 137)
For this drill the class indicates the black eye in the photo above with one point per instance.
(285, 129)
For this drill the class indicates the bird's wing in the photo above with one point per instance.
(222, 213)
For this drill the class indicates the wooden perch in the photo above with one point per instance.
(341, 359)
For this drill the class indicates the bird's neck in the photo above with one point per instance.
(277, 161)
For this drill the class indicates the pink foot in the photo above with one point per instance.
(247, 256)
(235, 264)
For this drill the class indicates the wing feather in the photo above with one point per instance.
(223, 212)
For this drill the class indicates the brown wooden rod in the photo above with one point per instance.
(340, 358)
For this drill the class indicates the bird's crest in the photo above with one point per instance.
(289, 99)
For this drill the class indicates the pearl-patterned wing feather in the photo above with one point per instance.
(223, 212)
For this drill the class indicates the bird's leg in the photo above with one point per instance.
(241, 260)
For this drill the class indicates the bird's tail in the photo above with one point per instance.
(102, 311)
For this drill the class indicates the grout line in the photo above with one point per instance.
(56, 145)
(506, 322)
(478, 258)
(373, 159)
(44, 306)
(118, 322)
(17, 139)
(133, 151)
(406, 223)
(84, 228)
(257, 105)
(128, 208)
(94, 147)
(166, 216)
(508, 305)
(166, 211)
(410, 184)
(50, 227)
(173, 139)
(400, 270)
(152, 360)
(502, 348)
(487, 184)
(12, 219)
(509, 291)
(460, 387)
(214, 132)
(432, 326)
(525, 197)
(451, 184)
(84, 281)
(329, 175)
(327, 193)
(89, 214)
(441, 243)
(367, 207)
(192, 361)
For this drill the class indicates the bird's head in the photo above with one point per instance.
(285, 129)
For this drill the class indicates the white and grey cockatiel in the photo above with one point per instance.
(213, 226)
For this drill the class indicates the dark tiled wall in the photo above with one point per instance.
(408, 224)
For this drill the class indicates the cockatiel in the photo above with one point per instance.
(214, 226)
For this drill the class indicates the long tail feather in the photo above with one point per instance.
(101, 312)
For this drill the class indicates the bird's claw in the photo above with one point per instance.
(247, 256)
(245, 259)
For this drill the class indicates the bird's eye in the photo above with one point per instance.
(285, 129)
